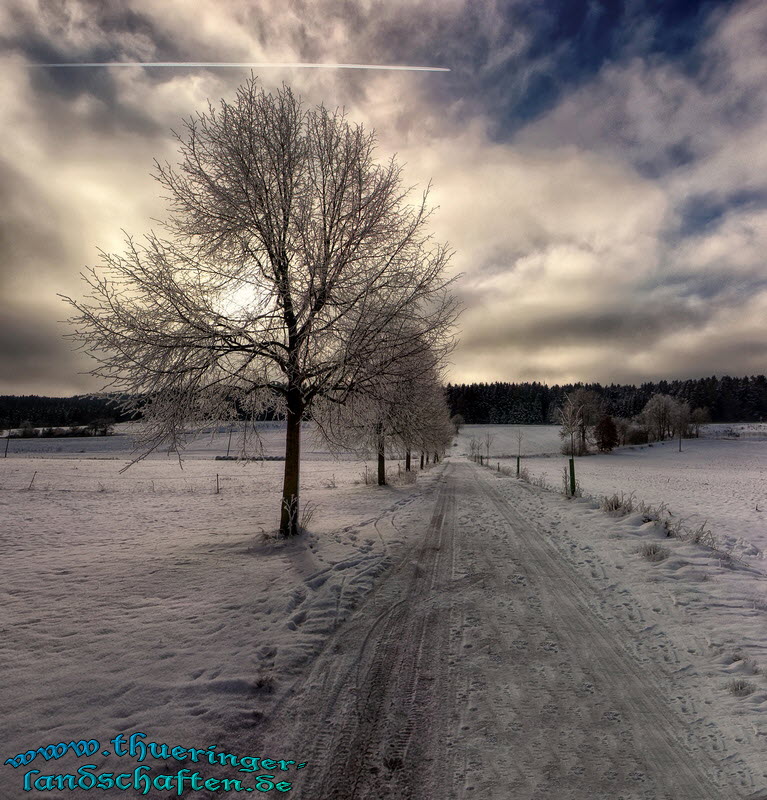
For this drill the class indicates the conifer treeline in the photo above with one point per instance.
(727, 399)
(15, 410)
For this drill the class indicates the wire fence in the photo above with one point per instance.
(27, 478)
(44, 480)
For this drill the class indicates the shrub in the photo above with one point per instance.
(606, 434)
(740, 687)
(369, 477)
(653, 551)
(636, 434)
(619, 505)
(566, 484)
(701, 535)
(27, 430)
(307, 514)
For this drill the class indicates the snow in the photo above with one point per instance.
(212, 441)
(145, 601)
(717, 481)
(536, 439)
(693, 601)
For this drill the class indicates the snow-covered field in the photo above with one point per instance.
(536, 439)
(719, 480)
(211, 442)
(145, 601)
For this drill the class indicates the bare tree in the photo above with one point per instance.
(292, 267)
(591, 411)
(622, 425)
(571, 417)
(657, 415)
(698, 418)
(487, 440)
(402, 410)
(680, 420)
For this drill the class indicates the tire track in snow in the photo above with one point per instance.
(371, 717)
(635, 691)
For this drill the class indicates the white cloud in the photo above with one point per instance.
(566, 235)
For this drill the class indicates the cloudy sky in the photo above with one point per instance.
(600, 166)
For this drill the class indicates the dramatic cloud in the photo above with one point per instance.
(601, 174)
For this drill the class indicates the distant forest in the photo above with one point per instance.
(727, 399)
(31, 409)
(16, 410)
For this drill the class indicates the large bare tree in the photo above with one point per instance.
(291, 267)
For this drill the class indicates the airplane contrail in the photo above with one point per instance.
(232, 64)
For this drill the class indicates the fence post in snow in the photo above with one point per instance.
(517, 466)
(217, 489)
(572, 477)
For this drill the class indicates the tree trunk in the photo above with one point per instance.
(381, 456)
(290, 486)
(407, 461)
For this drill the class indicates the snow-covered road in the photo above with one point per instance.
(485, 665)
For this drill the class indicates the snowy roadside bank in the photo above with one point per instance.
(706, 619)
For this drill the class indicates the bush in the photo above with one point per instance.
(619, 505)
(27, 430)
(606, 434)
(653, 551)
(740, 687)
(566, 484)
(636, 434)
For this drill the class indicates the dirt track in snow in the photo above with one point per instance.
(479, 668)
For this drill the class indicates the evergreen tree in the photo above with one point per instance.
(606, 434)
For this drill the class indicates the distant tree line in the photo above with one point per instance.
(34, 411)
(726, 399)
(586, 422)
(25, 411)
